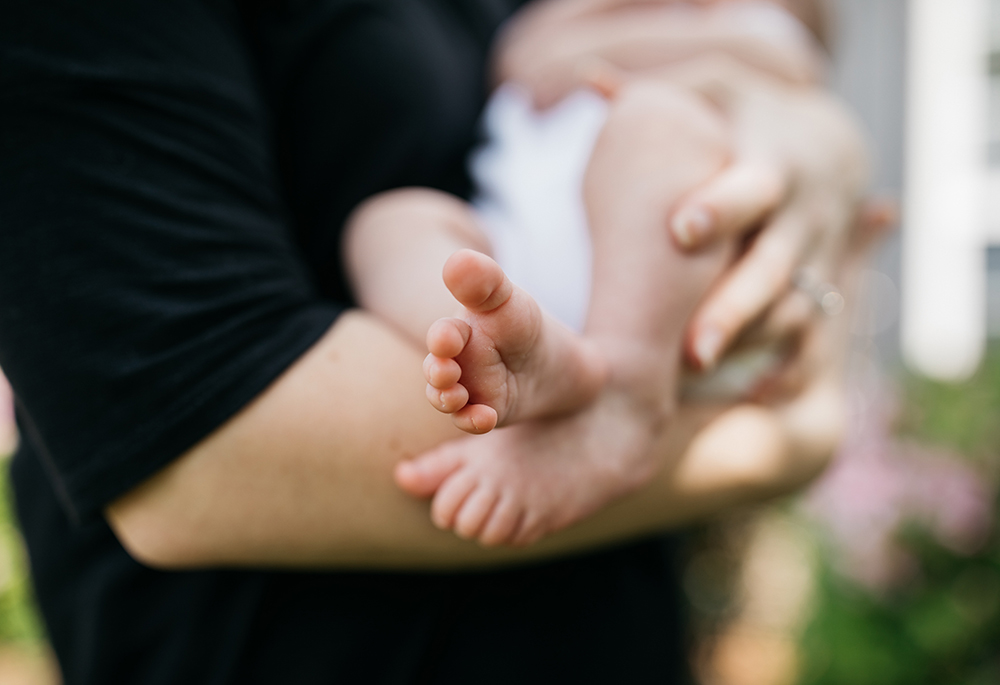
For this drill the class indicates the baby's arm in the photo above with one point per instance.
(395, 247)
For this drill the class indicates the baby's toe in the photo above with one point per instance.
(476, 418)
(450, 497)
(448, 401)
(476, 281)
(503, 521)
(441, 372)
(448, 337)
(475, 511)
(421, 477)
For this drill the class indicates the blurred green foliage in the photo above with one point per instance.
(19, 621)
(942, 627)
(964, 416)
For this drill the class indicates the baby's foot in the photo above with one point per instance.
(503, 360)
(519, 484)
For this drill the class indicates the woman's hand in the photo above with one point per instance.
(796, 145)
(821, 343)
(799, 165)
(730, 455)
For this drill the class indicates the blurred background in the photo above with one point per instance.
(887, 571)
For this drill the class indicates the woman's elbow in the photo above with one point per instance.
(149, 532)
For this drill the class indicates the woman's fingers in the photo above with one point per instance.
(759, 279)
(877, 218)
(793, 314)
(786, 320)
(730, 205)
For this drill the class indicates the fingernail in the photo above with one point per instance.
(691, 225)
(707, 347)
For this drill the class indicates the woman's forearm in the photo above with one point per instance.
(303, 476)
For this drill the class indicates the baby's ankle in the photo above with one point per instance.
(647, 374)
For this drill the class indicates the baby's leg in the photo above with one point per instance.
(657, 144)
(501, 359)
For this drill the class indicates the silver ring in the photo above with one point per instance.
(826, 296)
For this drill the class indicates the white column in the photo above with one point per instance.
(993, 207)
(943, 312)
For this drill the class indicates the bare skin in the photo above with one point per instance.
(503, 361)
(519, 484)
(509, 375)
(554, 47)
(302, 477)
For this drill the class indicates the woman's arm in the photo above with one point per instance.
(149, 288)
(303, 476)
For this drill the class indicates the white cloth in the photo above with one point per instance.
(529, 179)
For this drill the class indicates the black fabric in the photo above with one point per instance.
(173, 180)
(149, 284)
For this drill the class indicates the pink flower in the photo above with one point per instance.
(879, 483)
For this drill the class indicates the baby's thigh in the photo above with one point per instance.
(657, 138)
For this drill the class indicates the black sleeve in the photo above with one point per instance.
(149, 286)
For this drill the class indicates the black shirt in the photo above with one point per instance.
(174, 175)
